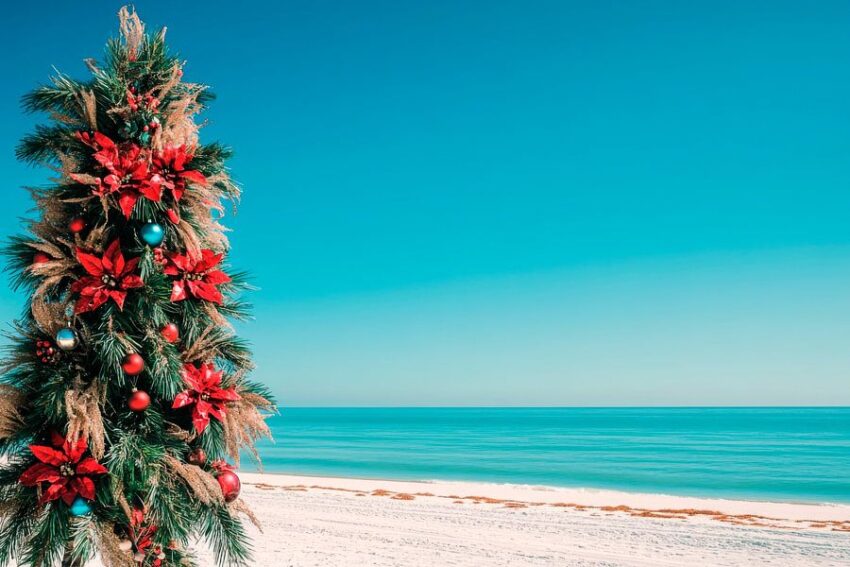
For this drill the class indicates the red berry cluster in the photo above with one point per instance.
(47, 352)
(136, 100)
(159, 256)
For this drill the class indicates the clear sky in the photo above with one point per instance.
(508, 202)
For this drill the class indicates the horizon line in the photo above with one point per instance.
(297, 406)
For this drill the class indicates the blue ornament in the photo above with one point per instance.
(152, 233)
(66, 338)
(80, 507)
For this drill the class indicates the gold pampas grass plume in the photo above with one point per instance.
(82, 405)
(132, 29)
(202, 483)
(244, 425)
(109, 545)
(11, 406)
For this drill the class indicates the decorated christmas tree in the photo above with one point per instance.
(125, 400)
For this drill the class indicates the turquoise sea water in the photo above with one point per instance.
(793, 454)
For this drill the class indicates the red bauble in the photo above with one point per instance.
(198, 457)
(133, 364)
(41, 258)
(77, 225)
(170, 333)
(230, 485)
(139, 401)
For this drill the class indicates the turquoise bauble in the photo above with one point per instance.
(80, 507)
(152, 233)
(66, 338)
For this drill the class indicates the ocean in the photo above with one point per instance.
(784, 454)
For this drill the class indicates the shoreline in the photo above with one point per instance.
(835, 516)
(323, 521)
(588, 489)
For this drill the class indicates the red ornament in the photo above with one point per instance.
(170, 333)
(77, 225)
(41, 258)
(133, 364)
(198, 457)
(139, 401)
(230, 485)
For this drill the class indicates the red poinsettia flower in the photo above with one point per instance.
(170, 170)
(107, 277)
(142, 533)
(126, 171)
(205, 394)
(196, 277)
(65, 469)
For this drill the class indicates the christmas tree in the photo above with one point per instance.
(124, 401)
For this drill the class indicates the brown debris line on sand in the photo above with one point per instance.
(751, 520)
(616, 509)
(484, 499)
(573, 505)
(690, 512)
(650, 514)
(318, 487)
(403, 496)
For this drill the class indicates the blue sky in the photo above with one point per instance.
(533, 203)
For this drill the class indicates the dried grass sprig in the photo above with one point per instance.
(88, 107)
(202, 483)
(84, 418)
(108, 544)
(48, 317)
(12, 403)
(239, 506)
(244, 425)
(132, 29)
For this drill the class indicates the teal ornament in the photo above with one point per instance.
(152, 233)
(145, 138)
(66, 338)
(80, 507)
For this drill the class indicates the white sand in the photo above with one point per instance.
(339, 522)
(328, 522)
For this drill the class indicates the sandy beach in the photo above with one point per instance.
(319, 521)
(311, 521)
